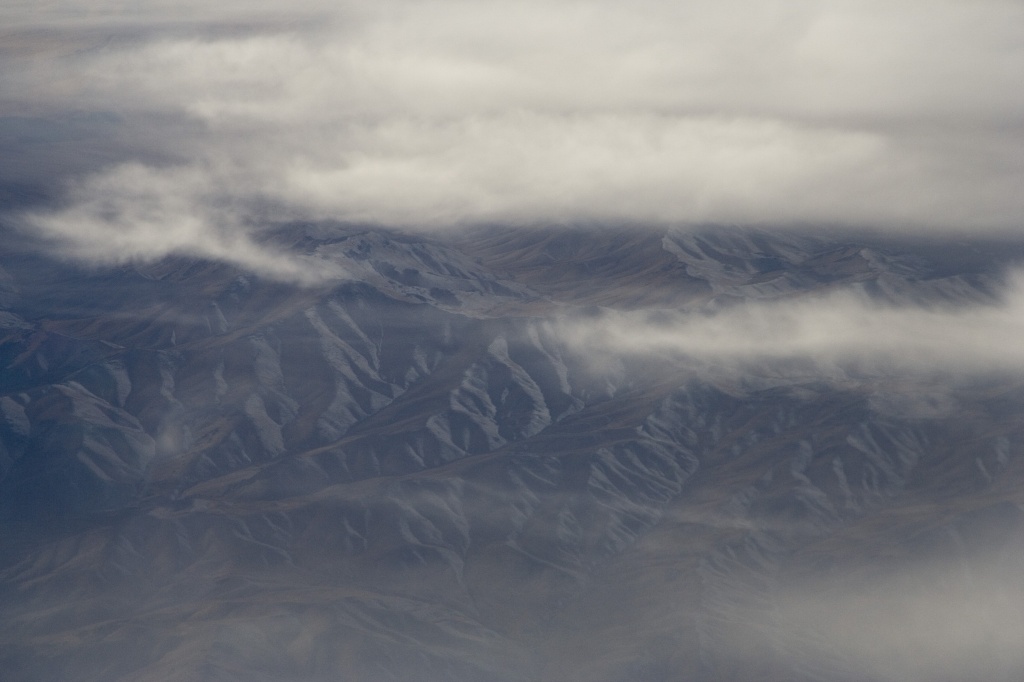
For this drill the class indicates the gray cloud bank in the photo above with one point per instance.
(898, 114)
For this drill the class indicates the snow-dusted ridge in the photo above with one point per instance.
(415, 474)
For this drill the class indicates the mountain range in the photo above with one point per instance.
(418, 468)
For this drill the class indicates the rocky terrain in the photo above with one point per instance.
(409, 472)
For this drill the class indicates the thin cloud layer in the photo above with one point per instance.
(830, 330)
(901, 114)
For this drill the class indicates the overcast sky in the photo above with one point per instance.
(900, 114)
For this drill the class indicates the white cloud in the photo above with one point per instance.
(828, 330)
(137, 213)
(892, 114)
